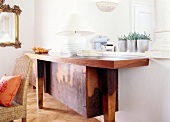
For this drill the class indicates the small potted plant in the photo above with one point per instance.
(132, 42)
(143, 42)
(122, 43)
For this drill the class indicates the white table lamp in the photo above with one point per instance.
(74, 28)
(75, 25)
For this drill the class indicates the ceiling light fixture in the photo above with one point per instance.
(107, 5)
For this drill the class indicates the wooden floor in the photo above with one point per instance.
(53, 111)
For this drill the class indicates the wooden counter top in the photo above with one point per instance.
(99, 61)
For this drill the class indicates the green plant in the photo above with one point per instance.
(123, 38)
(133, 36)
(144, 36)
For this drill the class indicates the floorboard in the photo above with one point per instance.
(53, 111)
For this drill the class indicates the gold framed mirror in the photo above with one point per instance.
(9, 25)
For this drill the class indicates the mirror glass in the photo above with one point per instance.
(7, 27)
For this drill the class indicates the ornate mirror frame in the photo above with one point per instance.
(16, 11)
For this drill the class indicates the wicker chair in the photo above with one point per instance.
(18, 108)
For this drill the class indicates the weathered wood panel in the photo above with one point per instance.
(74, 75)
(94, 94)
(47, 73)
(40, 78)
(33, 73)
(68, 85)
(64, 73)
(108, 80)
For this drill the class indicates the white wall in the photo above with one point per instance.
(144, 91)
(26, 35)
(162, 14)
(50, 15)
(163, 19)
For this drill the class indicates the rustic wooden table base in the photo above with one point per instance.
(88, 86)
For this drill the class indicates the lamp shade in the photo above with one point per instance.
(106, 5)
(75, 25)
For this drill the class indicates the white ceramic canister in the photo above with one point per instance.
(131, 46)
(142, 45)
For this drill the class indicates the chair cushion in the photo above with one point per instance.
(8, 88)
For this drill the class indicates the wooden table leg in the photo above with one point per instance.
(108, 81)
(40, 83)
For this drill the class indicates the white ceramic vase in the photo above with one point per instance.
(131, 46)
(122, 45)
(142, 45)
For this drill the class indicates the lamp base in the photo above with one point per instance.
(74, 43)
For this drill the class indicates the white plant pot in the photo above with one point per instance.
(122, 45)
(131, 46)
(142, 45)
